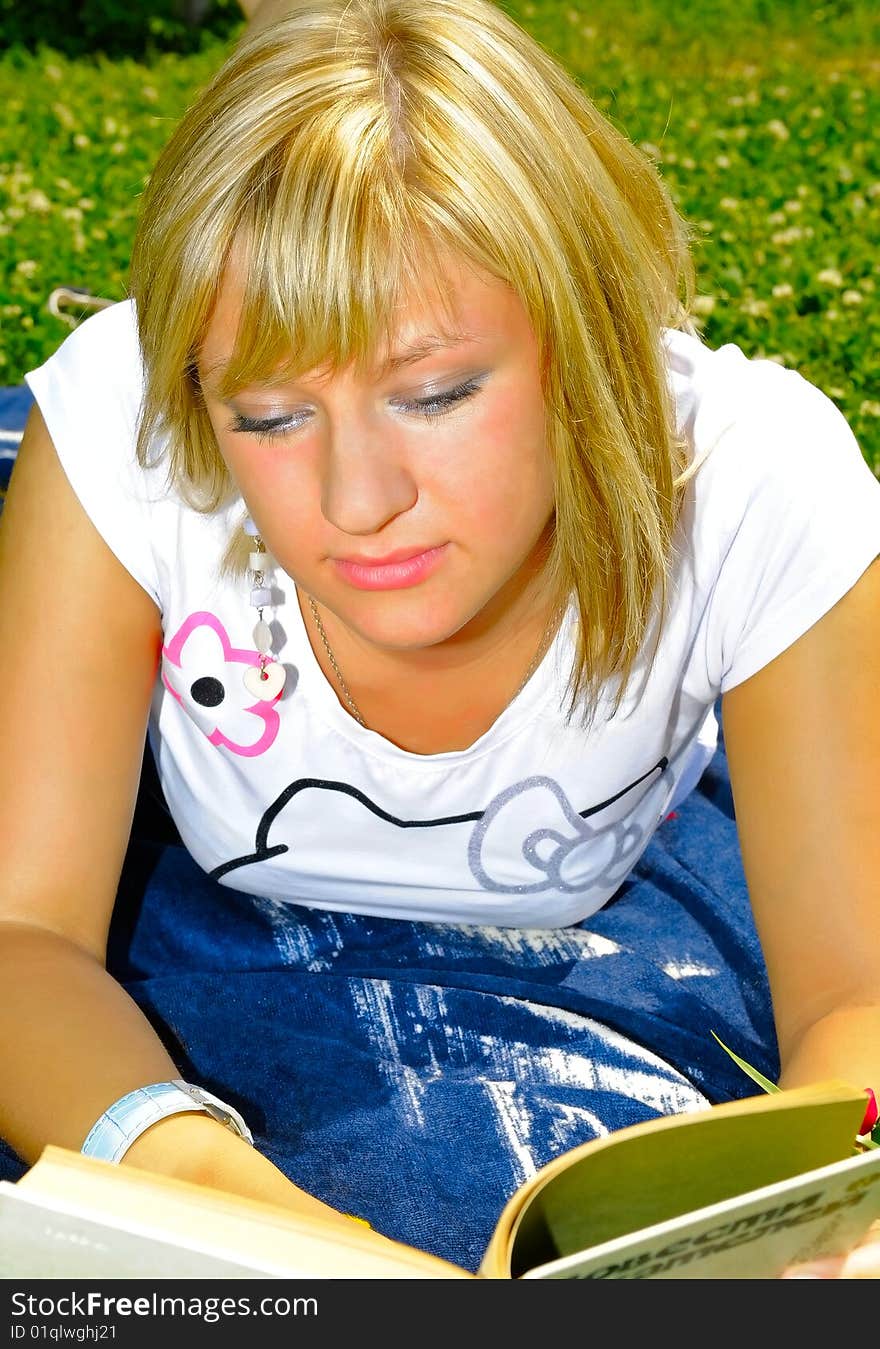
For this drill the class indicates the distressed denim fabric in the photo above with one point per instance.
(15, 403)
(416, 1073)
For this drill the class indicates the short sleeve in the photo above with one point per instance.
(89, 392)
(801, 510)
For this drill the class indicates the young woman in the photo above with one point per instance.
(405, 509)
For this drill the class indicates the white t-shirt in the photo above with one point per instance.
(537, 823)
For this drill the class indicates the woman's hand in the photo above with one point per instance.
(195, 1148)
(863, 1262)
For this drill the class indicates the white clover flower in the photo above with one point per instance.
(789, 236)
(704, 304)
(64, 115)
(783, 291)
(830, 277)
(851, 297)
(38, 201)
(778, 129)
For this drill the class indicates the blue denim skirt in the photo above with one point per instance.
(417, 1073)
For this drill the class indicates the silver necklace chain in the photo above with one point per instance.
(336, 670)
(536, 660)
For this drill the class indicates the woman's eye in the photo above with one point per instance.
(434, 407)
(431, 409)
(264, 428)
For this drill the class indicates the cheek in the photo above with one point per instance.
(506, 475)
(270, 478)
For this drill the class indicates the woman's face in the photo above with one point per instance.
(443, 458)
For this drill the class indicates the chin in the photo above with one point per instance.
(407, 627)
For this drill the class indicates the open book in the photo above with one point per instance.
(733, 1191)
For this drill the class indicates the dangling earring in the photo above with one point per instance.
(265, 680)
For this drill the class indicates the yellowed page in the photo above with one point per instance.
(264, 1236)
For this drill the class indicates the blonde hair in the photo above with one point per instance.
(348, 142)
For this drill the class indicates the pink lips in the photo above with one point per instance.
(393, 572)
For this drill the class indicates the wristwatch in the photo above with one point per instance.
(124, 1121)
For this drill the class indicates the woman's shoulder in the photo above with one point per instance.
(717, 389)
(105, 344)
(95, 376)
(755, 425)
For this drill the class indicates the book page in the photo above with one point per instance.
(246, 1233)
(823, 1213)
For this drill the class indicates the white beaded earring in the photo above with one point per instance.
(265, 680)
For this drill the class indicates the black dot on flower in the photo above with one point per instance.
(208, 691)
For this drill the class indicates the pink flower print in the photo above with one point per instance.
(203, 671)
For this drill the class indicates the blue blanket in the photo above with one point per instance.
(416, 1073)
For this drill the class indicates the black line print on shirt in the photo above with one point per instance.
(530, 828)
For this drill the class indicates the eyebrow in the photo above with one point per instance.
(417, 350)
(424, 346)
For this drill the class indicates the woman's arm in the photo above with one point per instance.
(803, 745)
(79, 646)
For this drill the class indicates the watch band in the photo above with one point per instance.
(124, 1121)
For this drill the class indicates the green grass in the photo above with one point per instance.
(761, 114)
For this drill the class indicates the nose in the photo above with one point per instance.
(366, 481)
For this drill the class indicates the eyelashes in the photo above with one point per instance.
(430, 409)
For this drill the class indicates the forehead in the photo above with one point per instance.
(455, 301)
